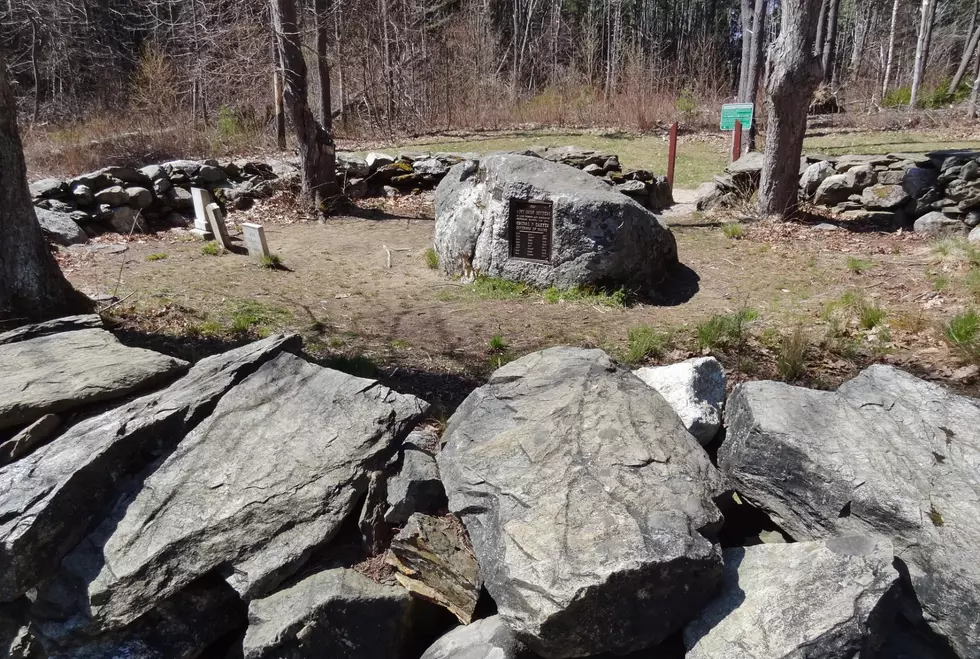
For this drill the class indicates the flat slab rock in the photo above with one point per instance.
(819, 600)
(65, 324)
(334, 613)
(48, 498)
(266, 479)
(58, 372)
(887, 454)
(589, 506)
(599, 236)
(489, 638)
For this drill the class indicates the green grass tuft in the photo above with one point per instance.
(791, 362)
(733, 230)
(644, 342)
(211, 248)
(159, 256)
(962, 333)
(272, 261)
(857, 266)
(724, 332)
(432, 258)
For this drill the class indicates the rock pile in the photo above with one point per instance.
(939, 192)
(231, 508)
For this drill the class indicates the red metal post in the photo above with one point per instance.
(737, 141)
(672, 156)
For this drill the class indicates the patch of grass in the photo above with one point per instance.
(211, 248)
(962, 333)
(723, 332)
(253, 317)
(357, 365)
(972, 284)
(272, 261)
(858, 266)
(914, 322)
(644, 342)
(432, 258)
(733, 230)
(935, 517)
(159, 256)
(494, 288)
(870, 315)
(400, 344)
(618, 298)
(499, 351)
(791, 361)
(497, 344)
(940, 283)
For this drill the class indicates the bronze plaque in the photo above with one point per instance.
(531, 224)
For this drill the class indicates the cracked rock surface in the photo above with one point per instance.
(589, 506)
(887, 454)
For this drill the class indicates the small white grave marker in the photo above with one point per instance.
(202, 199)
(216, 220)
(255, 239)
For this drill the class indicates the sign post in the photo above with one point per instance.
(737, 142)
(743, 113)
(672, 156)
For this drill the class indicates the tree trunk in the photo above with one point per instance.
(973, 37)
(743, 70)
(320, 7)
(755, 65)
(31, 284)
(821, 25)
(973, 95)
(795, 77)
(280, 115)
(316, 147)
(922, 50)
(891, 49)
(830, 42)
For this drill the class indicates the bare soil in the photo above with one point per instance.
(406, 323)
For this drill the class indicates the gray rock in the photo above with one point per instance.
(814, 175)
(695, 389)
(887, 454)
(210, 175)
(884, 197)
(126, 220)
(353, 166)
(188, 168)
(83, 195)
(489, 638)
(749, 164)
(59, 227)
(849, 161)
(126, 175)
(154, 172)
(57, 205)
(334, 613)
(140, 198)
(48, 188)
(431, 166)
(633, 188)
(48, 498)
(64, 371)
(974, 236)
(113, 196)
(66, 324)
(589, 506)
(30, 438)
(863, 176)
(891, 177)
(972, 219)
(819, 600)
(599, 236)
(416, 487)
(709, 196)
(179, 199)
(835, 189)
(939, 224)
(970, 171)
(253, 491)
(161, 186)
(595, 170)
(883, 219)
(377, 160)
(436, 564)
(356, 188)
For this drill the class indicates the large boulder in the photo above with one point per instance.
(48, 499)
(884, 197)
(834, 189)
(819, 600)
(598, 236)
(489, 638)
(334, 613)
(939, 224)
(814, 175)
(267, 479)
(64, 324)
(695, 390)
(59, 227)
(887, 454)
(59, 372)
(590, 507)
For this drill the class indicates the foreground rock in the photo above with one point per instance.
(59, 372)
(598, 237)
(434, 562)
(268, 478)
(820, 600)
(589, 506)
(59, 227)
(886, 454)
(416, 487)
(49, 498)
(335, 613)
(66, 324)
(489, 638)
(695, 389)
(29, 439)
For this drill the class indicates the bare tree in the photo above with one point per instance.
(31, 284)
(922, 49)
(889, 60)
(795, 77)
(316, 146)
(829, 54)
(969, 48)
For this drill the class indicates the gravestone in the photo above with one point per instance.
(254, 236)
(216, 220)
(526, 219)
(202, 199)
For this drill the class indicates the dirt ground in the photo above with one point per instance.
(406, 323)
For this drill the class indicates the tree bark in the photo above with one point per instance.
(795, 77)
(280, 115)
(968, 49)
(743, 70)
(31, 284)
(922, 50)
(316, 146)
(755, 65)
(830, 42)
(320, 7)
(891, 49)
(973, 95)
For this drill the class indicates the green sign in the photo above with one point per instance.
(733, 112)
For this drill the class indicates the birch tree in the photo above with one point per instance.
(928, 13)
